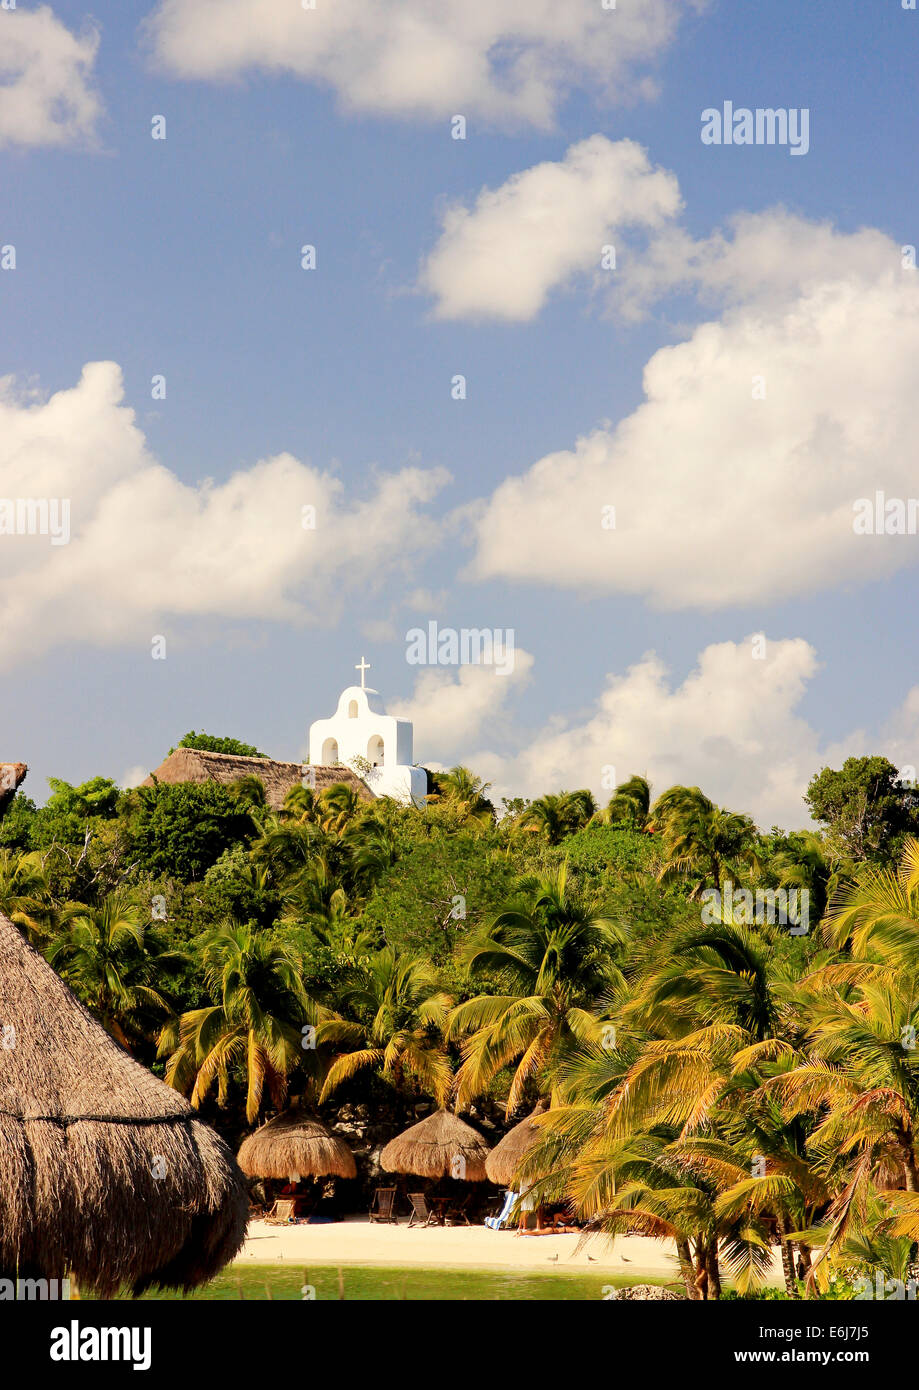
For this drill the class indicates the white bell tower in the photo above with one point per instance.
(360, 728)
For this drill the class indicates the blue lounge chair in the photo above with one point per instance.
(496, 1222)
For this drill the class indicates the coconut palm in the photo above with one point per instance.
(339, 807)
(397, 1023)
(702, 841)
(109, 960)
(301, 804)
(553, 958)
(553, 817)
(463, 793)
(808, 863)
(629, 805)
(254, 1027)
(24, 893)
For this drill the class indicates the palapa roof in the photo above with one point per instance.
(295, 1143)
(105, 1172)
(431, 1148)
(200, 765)
(11, 776)
(505, 1158)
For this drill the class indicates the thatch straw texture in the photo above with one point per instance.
(200, 765)
(105, 1172)
(505, 1158)
(431, 1149)
(294, 1143)
(11, 775)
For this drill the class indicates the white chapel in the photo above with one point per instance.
(361, 729)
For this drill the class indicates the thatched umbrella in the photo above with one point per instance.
(505, 1158)
(295, 1145)
(441, 1146)
(11, 776)
(105, 1173)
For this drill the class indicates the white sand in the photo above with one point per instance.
(356, 1241)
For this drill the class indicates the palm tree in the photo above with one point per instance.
(701, 840)
(339, 806)
(554, 817)
(807, 863)
(545, 817)
(24, 893)
(252, 1029)
(712, 1012)
(465, 795)
(629, 805)
(104, 953)
(554, 959)
(301, 804)
(249, 791)
(397, 1026)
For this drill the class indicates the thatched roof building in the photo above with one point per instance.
(200, 765)
(296, 1145)
(105, 1172)
(11, 776)
(505, 1158)
(441, 1146)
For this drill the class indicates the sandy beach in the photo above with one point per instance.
(356, 1241)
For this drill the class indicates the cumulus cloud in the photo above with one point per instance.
(451, 708)
(735, 481)
(498, 61)
(731, 725)
(46, 91)
(277, 541)
(502, 257)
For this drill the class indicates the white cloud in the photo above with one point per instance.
(451, 708)
(542, 227)
(497, 61)
(46, 92)
(147, 549)
(721, 498)
(730, 726)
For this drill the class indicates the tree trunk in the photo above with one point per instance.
(788, 1256)
(686, 1269)
(712, 1269)
(910, 1171)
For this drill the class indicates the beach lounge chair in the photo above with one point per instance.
(382, 1208)
(282, 1213)
(496, 1222)
(421, 1214)
(458, 1211)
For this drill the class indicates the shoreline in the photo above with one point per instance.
(356, 1241)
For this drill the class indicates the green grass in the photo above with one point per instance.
(374, 1283)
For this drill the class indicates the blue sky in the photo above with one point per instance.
(181, 257)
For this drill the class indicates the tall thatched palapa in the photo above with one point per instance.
(296, 1145)
(434, 1147)
(201, 765)
(105, 1173)
(502, 1163)
(11, 776)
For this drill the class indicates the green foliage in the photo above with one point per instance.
(16, 825)
(71, 811)
(213, 743)
(181, 830)
(866, 808)
(441, 887)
